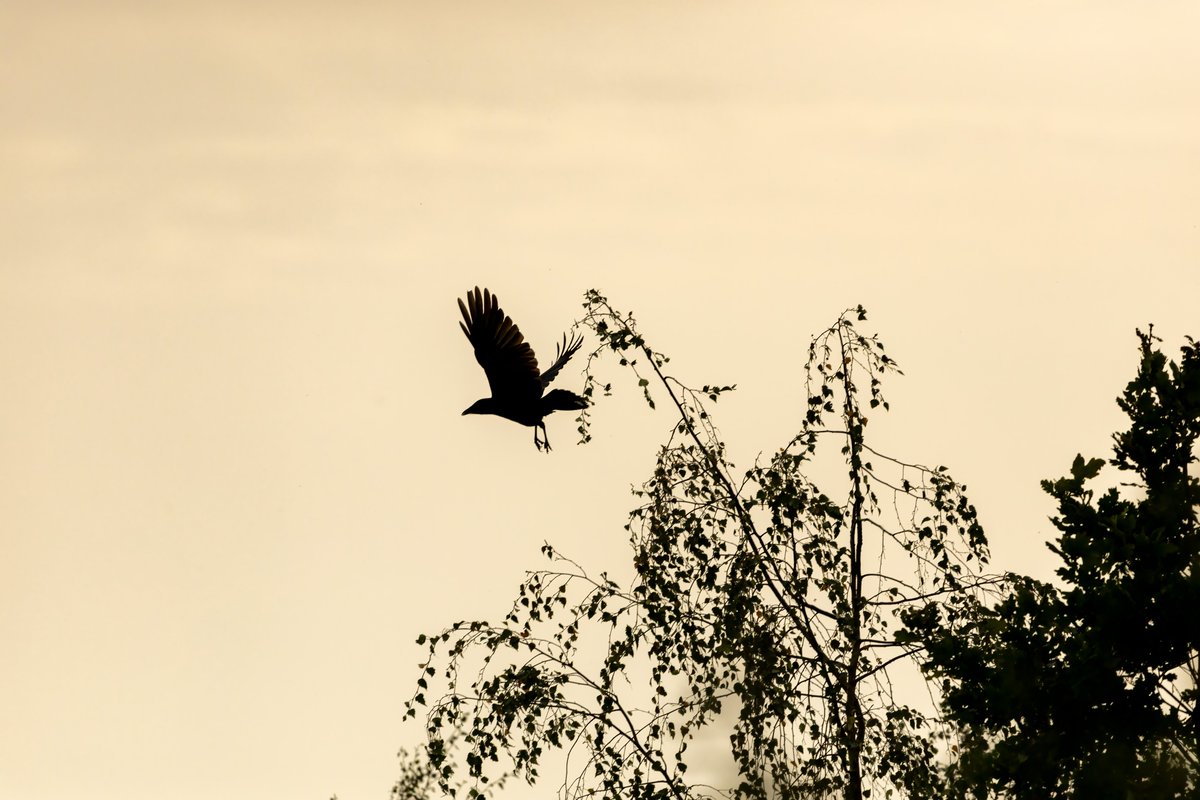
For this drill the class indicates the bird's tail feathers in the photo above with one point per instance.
(562, 400)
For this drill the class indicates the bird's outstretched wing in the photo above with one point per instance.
(506, 358)
(562, 355)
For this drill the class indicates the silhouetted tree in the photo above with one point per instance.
(759, 594)
(1088, 689)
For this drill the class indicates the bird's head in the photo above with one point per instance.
(484, 406)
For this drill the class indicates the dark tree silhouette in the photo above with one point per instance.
(1088, 689)
(512, 369)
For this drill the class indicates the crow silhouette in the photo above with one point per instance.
(512, 369)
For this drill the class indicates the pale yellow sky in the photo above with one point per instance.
(234, 482)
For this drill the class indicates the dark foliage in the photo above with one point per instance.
(1088, 689)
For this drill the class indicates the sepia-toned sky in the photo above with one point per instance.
(234, 479)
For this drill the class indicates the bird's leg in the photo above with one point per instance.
(545, 443)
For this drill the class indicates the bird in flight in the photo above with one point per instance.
(512, 369)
